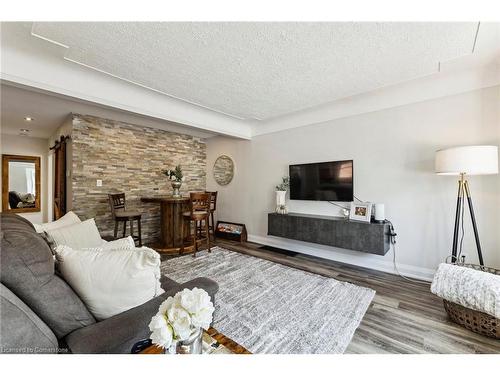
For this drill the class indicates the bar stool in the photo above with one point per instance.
(120, 214)
(199, 211)
(213, 207)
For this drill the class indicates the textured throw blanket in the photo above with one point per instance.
(474, 289)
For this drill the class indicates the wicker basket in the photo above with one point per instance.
(476, 321)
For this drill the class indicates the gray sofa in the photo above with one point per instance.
(40, 313)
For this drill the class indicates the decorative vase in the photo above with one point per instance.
(282, 210)
(176, 185)
(281, 202)
(192, 345)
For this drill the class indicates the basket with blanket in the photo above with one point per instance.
(471, 296)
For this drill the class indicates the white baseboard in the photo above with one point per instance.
(345, 256)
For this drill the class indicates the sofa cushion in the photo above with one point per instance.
(21, 330)
(126, 243)
(27, 269)
(119, 333)
(111, 281)
(76, 236)
(68, 219)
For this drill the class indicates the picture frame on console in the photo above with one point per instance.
(361, 211)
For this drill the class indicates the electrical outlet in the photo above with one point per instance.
(99, 183)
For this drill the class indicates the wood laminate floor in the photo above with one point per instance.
(404, 317)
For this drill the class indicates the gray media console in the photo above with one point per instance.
(332, 231)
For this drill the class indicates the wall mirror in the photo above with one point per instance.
(223, 170)
(20, 183)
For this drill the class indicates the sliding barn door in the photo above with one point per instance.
(60, 179)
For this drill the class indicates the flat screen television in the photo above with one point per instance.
(328, 181)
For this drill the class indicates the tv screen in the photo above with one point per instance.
(328, 181)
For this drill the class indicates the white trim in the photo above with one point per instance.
(425, 88)
(16, 81)
(343, 256)
(47, 39)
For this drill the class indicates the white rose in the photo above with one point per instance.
(180, 321)
(194, 300)
(187, 299)
(201, 308)
(202, 297)
(165, 305)
(203, 318)
(177, 299)
(157, 321)
(161, 332)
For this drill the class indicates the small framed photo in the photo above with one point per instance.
(361, 211)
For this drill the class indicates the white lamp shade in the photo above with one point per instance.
(471, 160)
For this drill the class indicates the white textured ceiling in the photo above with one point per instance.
(262, 70)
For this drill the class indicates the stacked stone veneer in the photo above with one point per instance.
(129, 158)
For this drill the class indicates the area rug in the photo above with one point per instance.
(271, 308)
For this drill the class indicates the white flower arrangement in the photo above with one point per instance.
(180, 316)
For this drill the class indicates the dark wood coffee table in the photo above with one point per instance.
(214, 342)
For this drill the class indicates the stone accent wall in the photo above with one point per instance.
(129, 158)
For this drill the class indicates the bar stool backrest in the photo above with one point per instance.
(213, 200)
(199, 202)
(117, 202)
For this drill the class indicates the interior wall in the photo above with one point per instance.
(393, 152)
(129, 158)
(30, 146)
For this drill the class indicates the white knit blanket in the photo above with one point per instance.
(474, 289)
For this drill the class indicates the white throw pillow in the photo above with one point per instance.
(69, 219)
(111, 282)
(77, 236)
(126, 243)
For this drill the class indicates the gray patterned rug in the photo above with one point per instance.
(271, 308)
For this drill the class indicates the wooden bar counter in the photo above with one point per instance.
(170, 221)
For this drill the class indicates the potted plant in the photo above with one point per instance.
(281, 190)
(176, 177)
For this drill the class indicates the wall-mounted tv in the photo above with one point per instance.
(328, 181)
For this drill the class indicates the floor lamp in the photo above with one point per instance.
(466, 161)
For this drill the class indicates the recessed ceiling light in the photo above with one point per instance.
(27, 118)
(24, 132)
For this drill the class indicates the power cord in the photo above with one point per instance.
(359, 200)
(393, 235)
(343, 207)
(338, 205)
